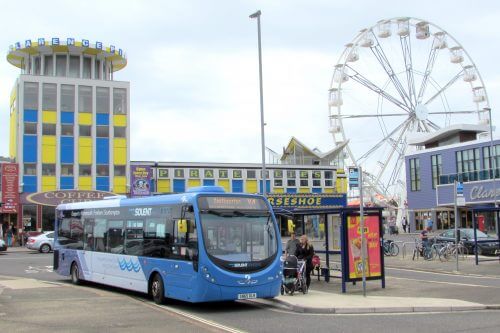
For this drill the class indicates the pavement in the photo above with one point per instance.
(326, 297)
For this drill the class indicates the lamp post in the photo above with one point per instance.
(264, 178)
(493, 165)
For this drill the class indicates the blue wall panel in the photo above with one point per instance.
(29, 184)
(102, 151)
(30, 115)
(208, 182)
(102, 183)
(67, 117)
(67, 182)
(102, 119)
(179, 185)
(29, 149)
(237, 186)
(316, 190)
(291, 190)
(67, 149)
(268, 186)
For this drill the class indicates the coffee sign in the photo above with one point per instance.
(54, 198)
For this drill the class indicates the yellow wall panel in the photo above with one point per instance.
(85, 150)
(85, 183)
(251, 186)
(163, 186)
(120, 184)
(120, 120)
(85, 118)
(304, 190)
(224, 183)
(120, 151)
(120, 142)
(278, 190)
(328, 190)
(48, 149)
(49, 117)
(193, 183)
(13, 134)
(48, 183)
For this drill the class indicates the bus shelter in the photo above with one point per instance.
(328, 231)
(479, 215)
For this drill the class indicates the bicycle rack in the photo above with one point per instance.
(404, 247)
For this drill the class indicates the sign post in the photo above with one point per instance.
(458, 193)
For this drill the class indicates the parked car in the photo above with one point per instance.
(3, 246)
(467, 236)
(28, 234)
(43, 243)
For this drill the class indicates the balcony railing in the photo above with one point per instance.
(469, 176)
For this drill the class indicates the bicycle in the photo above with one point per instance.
(452, 250)
(390, 248)
(422, 251)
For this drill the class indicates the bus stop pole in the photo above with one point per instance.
(362, 227)
(456, 217)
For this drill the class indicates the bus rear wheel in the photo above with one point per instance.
(158, 289)
(75, 274)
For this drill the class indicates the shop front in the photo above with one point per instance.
(38, 209)
(9, 198)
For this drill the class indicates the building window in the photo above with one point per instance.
(489, 163)
(223, 174)
(84, 99)
(85, 170)
(102, 131)
(436, 169)
(66, 169)
(49, 101)
(267, 174)
(74, 66)
(237, 173)
(87, 67)
(67, 98)
(67, 129)
(97, 70)
(49, 65)
(317, 182)
(30, 128)
(415, 174)
(304, 182)
(102, 170)
(31, 95)
(208, 173)
(102, 100)
(179, 173)
(329, 182)
(251, 174)
(37, 66)
(119, 170)
(290, 182)
(119, 101)
(328, 174)
(61, 65)
(120, 131)
(278, 182)
(468, 164)
(316, 174)
(304, 174)
(85, 130)
(30, 169)
(49, 129)
(48, 169)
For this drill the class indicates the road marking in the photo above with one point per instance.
(199, 319)
(446, 273)
(443, 282)
(38, 269)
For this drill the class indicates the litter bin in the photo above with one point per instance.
(325, 273)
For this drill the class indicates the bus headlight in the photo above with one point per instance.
(207, 276)
(204, 269)
(212, 280)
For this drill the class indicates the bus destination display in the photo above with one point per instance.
(232, 203)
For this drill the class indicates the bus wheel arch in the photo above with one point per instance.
(157, 288)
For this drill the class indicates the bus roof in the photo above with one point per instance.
(120, 201)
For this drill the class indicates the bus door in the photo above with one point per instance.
(183, 267)
(88, 247)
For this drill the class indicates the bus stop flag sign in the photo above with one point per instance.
(353, 177)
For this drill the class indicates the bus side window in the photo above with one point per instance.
(88, 235)
(185, 239)
(100, 234)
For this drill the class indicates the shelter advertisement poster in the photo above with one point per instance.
(141, 180)
(373, 265)
(10, 188)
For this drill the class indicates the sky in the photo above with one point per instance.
(193, 65)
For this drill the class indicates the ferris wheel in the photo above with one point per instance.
(398, 79)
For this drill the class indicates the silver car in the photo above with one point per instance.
(43, 243)
(3, 246)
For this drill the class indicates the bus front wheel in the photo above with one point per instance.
(75, 274)
(158, 290)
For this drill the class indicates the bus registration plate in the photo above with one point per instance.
(247, 296)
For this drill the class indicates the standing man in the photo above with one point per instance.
(291, 245)
(404, 223)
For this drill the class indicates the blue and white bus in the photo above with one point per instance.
(199, 246)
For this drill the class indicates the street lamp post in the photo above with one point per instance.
(264, 176)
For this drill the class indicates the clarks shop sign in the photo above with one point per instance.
(481, 193)
(54, 198)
